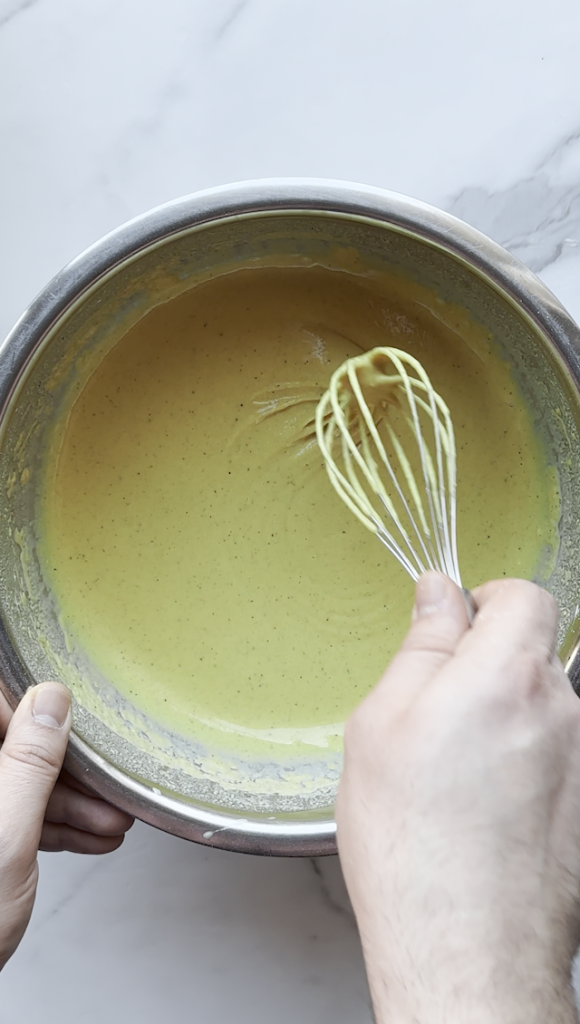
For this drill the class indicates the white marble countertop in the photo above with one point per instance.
(109, 107)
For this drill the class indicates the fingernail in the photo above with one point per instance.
(50, 705)
(430, 595)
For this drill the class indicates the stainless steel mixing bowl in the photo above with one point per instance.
(283, 806)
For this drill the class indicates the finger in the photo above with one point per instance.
(123, 818)
(61, 838)
(85, 812)
(5, 715)
(30, 761)
(506, 662)
(80, 787)
(513, 616)
(440, 617)
(440, 620)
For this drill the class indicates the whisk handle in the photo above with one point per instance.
(469, 604)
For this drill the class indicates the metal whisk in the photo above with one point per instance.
(389, 449)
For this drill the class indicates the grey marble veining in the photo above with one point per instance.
(232, 16)
(9, 9)
(538, 217)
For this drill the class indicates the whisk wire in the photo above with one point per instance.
(378, 487)
(431, 478)
(351, 453)
(383, 496)
(349, 490)
(420, 509)
(436, 484)
(424, 541)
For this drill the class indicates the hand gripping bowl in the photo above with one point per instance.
(280, 808)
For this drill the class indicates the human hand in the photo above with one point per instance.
(40, 809)
(459, 814)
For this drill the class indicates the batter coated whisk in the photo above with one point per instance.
(389, 450)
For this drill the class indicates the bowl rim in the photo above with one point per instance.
(481, 255)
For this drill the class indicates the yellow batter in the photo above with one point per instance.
(195, 546)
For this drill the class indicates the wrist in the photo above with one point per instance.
(479, 995)
(527, 1009)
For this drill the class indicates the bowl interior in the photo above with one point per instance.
(282, 787)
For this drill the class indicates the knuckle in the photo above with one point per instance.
(535, 597)
(32, 754)
(551, 614)
(544, 602)
(52, 839)
(529, 675)
(430, 638)
(522, 588)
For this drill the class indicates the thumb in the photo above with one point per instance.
(30, 761)
(439, 621)
(440, 618)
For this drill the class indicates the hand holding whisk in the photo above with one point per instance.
(389, 449)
